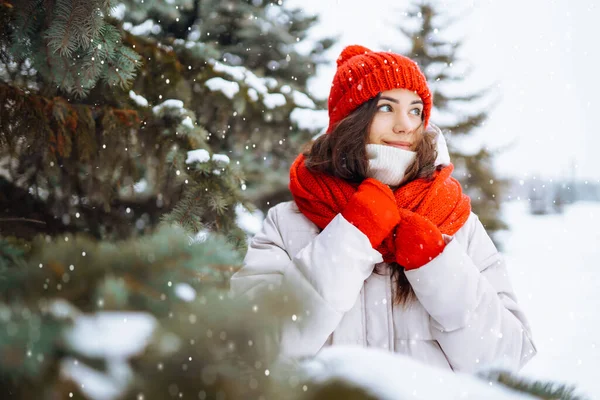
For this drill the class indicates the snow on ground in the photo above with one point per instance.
(390, 376)
(553, 261)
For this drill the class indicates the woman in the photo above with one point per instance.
(380, 247)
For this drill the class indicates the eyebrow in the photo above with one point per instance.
(396, 101)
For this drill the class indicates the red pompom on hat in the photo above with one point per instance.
(362, 74)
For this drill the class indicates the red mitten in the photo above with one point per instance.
(373, 210)
(418, 240)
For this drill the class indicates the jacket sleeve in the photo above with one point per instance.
(474, 312)
(322, 281)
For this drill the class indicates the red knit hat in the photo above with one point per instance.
(362, 74)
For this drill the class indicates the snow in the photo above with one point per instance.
(237, 73)
(141, 186)
(93, 383)
(251, 223)
(194, 35)
(140, 100)
(310, 119)
(222, 158)
(256, 84)
(169, 103)
(306, 46)
(187, 122)
(253, 94)
(62, 309)
(302, 100)
(260, 84)
(199, 155)
(188, 44)
(244, 75)
(202, 156)
(272, 100)
(144, 29)
(228, 88)
(390, 376)
(118, 11)
(271, 82)
(185, 292)
(553, 264)
(111, 334)
(200, 237)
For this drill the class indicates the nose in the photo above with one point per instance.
(402, 124)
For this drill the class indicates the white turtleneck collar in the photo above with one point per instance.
(388, 164)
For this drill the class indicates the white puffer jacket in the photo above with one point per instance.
(466, 316)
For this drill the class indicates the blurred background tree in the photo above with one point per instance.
(459, 115)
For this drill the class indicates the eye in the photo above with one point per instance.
(416, 111)
(384, 108)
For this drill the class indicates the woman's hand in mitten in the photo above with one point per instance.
(418, 240)
(373, 210)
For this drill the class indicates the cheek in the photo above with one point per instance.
(419, 122)
(375, 131)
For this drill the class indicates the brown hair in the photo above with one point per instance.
(342, 153)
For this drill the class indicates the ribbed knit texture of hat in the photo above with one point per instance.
(362, 74)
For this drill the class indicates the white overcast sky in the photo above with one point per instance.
(544, 54)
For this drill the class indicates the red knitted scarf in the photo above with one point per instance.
(320, 197)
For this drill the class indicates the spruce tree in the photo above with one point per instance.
(424, 26)
(127, 147)
(253, 42)
(187, 95)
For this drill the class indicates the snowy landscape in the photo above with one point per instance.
(553, 262)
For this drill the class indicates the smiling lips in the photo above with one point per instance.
(400, 145)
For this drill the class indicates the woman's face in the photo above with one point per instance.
(398, 119)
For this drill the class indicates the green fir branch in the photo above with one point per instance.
(72, 45)
(73, 267)
(542, 389)
(62, 33)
